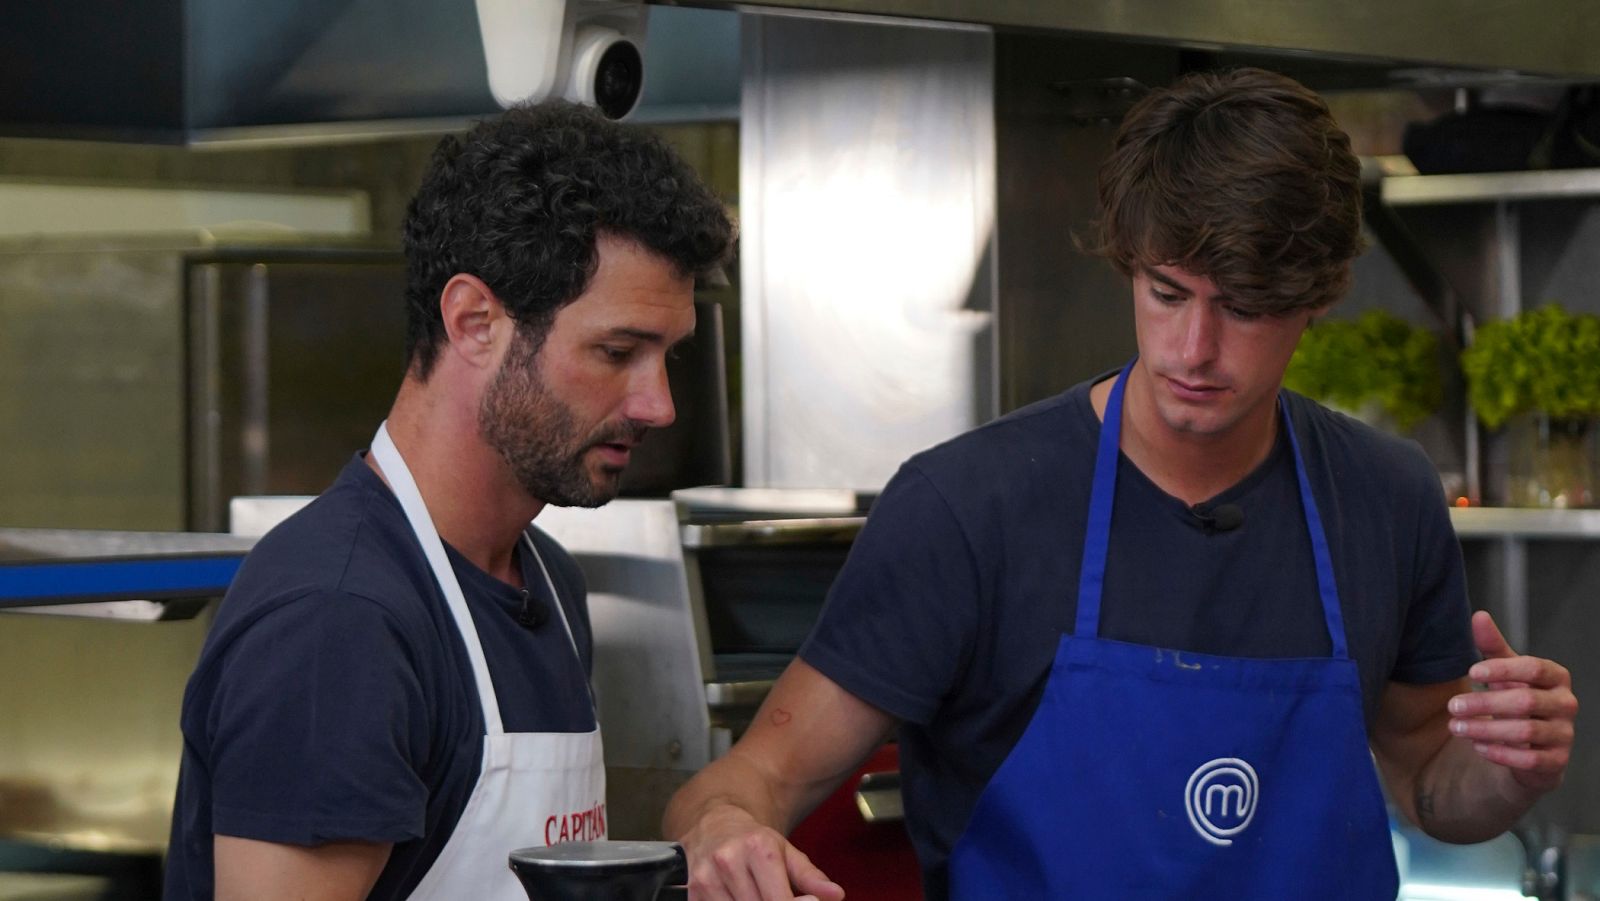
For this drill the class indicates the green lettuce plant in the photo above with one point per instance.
(1544, 360)
(1376, 360)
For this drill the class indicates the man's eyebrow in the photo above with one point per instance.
(1167, 281)
(1220, 296)
(637, 334)
(648, 337)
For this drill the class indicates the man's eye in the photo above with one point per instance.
(1164, 297)
(1243, 315)
(616, 354)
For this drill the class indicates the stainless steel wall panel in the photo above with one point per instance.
(293, 363)
(91, 387)
(1064, 316)
(867, 194)
(90, 747)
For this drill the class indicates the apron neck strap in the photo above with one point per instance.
(1102, 500)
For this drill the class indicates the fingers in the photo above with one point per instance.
(1486, 635)
(750, 867)
(1540, 768)
(1516, 703)
(808, 878)
(1534, 671)
(1524, 719)
(1521, 733)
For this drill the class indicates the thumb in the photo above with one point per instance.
(807, 878)
(1486, 635)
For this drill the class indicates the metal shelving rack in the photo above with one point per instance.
(124, 575)
(1511, 522)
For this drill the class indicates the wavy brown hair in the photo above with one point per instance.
(519, 200)
(1241, 176)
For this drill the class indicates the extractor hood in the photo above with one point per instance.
(194, 71)
(1558, 39)
(197, 71)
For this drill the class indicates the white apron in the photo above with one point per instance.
(534, 788)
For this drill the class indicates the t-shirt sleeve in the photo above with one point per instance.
(1436, 644)
(899, 621)
(318, 727)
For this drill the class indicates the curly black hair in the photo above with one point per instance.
(518, 202)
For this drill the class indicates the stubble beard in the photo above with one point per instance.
(536, 434)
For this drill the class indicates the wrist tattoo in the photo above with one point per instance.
(1424, 805)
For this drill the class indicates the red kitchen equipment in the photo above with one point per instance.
(871, 858)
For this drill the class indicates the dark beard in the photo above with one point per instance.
(536, 434)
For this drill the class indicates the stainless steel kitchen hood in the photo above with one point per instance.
(202, 71)
(1559, 39)
(194, 71)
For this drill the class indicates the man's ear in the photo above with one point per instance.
(475, 323)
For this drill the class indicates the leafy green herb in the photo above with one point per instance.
(1544, 360)
(1377, 359)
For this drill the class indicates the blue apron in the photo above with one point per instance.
(1151, 773)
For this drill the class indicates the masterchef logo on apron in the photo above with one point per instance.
(1221, 799)
(578, 826)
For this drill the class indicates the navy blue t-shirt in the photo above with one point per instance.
(334, 699)
(949, 610)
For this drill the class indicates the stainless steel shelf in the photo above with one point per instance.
(1514, 522)
(1489, 187)
(44, 567)
(826, 530)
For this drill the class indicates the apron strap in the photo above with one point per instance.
(1102, 500)
(555, 598)
(410, 497)
(1327, 586)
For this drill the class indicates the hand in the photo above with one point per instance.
(1524, 719)
(734, 858)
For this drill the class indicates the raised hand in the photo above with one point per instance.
(1523, 717)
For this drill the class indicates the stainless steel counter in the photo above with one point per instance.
(148, 570)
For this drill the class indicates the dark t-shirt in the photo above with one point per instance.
(949, 610)
(334, 698)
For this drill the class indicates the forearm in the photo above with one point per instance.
(732, 781)
(1462, 798)
(247, 870)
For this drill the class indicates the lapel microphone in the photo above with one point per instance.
(1221, 518)
(534, 611)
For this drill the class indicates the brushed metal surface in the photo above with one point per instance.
(651, 656)
(292, 362)
(91, 387)
(1555, 184)
(879, 799)
(841, 529)
(1559, 38)
(89, 759)
(738, 694)
(867, 210)
(1515, 522)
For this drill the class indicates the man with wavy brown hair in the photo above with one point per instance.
(1145, 639)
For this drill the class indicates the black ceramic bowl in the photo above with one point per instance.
(598, 871)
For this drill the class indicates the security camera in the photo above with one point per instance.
(588, 51)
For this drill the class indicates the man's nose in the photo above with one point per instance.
(1200, 333)
(650, 398)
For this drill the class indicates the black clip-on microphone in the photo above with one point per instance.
(1221, 518)
(534, 611)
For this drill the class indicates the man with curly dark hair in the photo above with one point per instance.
(395, 692)
(1144, 639)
